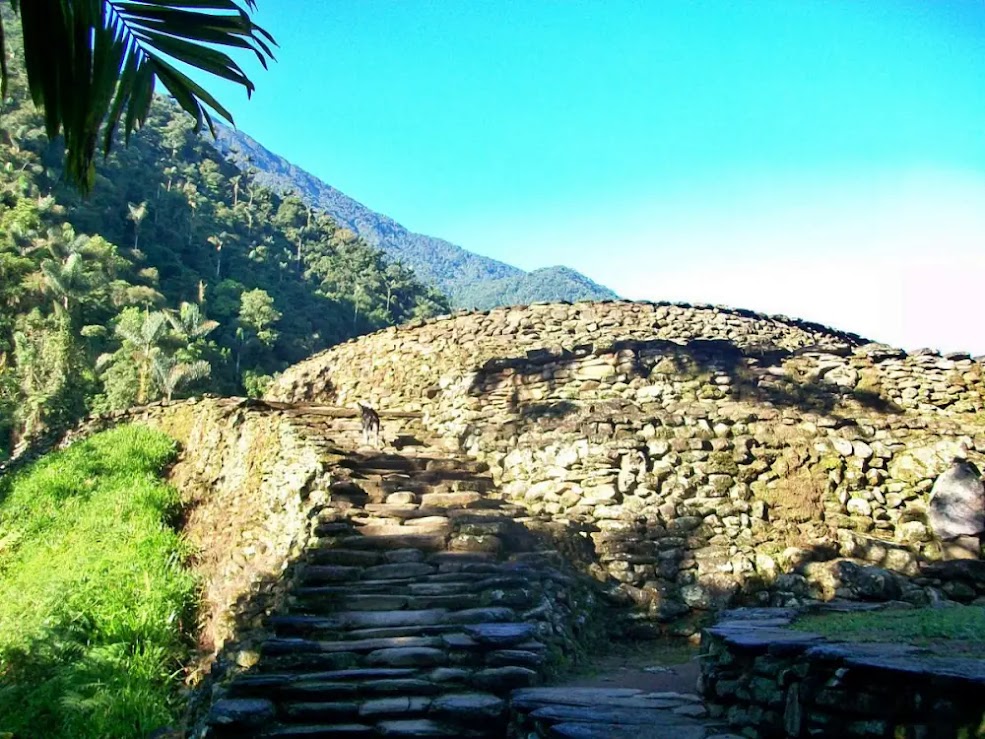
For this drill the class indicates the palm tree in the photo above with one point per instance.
(171, 373)
(92, 64)
(145, 342)
(136, 213)
(65, 279)
(190, 323)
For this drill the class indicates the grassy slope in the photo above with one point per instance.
(918, 625)
(94, 599)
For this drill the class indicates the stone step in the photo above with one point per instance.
(319, 731)
(346, 557)
(312, 691)
(399, 571)
(384, 463)
(297, 645)
(432, 525)
(400, 631)
(264, 684)
(319, 603)
(347, 620)
(416, 728)
(303, 712)
(424, 542)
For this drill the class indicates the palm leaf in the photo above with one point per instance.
(92, 64)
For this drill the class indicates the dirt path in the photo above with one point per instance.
(656, 666)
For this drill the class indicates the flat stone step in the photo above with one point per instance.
(533, 698)
(384, 463)
(469, 707)
(318, 711)
(331, 573)
(330, 691)
(443, 558)
(408, 657)
(605, 731)
(492, 614)
(298, 646)
(332, 731)
(344, 557)
(355, 620)
(402, 511)
(320, 603)
(259, 684)
(500, 634)
(401, 632)
(416, 728)
(463, 499)
(401, 707)
(397, 540)
(612, 716)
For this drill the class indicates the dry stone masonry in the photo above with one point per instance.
(771, 681)
(420, 601)
(689, 458)
(709, 456)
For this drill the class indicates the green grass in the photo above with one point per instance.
(921, 626)
(95, 603)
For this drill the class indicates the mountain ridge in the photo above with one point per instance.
(470, 280)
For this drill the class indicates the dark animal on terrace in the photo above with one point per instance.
(370, 424)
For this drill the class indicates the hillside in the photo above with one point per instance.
(470, 280)
(178, 274)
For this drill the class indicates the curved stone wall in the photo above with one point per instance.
(706, 452)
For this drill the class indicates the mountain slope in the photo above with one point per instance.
(471, 280)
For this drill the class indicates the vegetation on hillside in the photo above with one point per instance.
(470, 280)
(96, 607)
(177, 274)
(92, 65)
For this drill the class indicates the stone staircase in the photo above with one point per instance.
(422, 600)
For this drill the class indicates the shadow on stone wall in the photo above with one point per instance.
(757, 375)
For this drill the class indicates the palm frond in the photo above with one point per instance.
(92, 64)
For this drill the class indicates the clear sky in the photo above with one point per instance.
(819, 158)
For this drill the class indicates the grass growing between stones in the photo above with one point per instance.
(94, 598)
(921, 626)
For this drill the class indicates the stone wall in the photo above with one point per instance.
(706, 452)
(769, 680)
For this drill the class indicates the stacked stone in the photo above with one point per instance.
(769, 680)
(610, 713)
(398, 367)
(708, 451)
(422, 602)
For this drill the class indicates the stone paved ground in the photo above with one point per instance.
(611, 713)
(638, 690)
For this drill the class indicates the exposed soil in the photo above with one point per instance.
(653, 666)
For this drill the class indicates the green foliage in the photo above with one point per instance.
(93, 64)
(171, 277)
(257, 314)
(95, 604)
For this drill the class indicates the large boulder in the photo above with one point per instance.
(957, 502)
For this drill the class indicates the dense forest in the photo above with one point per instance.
(178, 274)
(470, 280)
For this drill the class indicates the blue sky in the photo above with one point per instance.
(820, 158)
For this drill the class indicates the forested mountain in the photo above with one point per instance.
(178, 273)
(470, 280)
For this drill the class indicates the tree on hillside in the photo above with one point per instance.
(92, 64)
